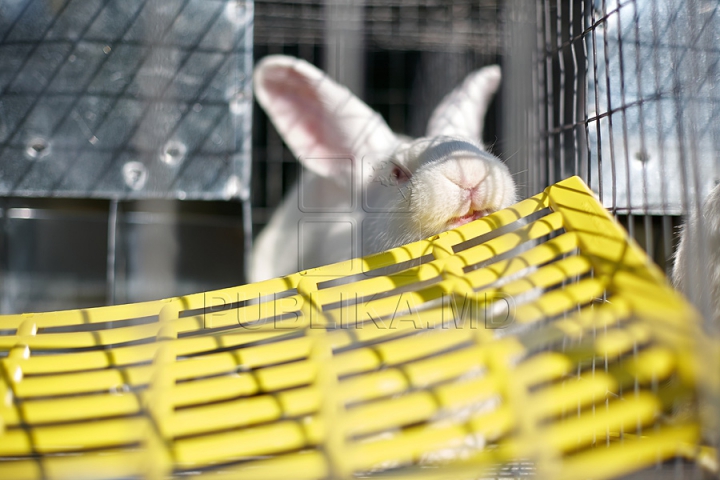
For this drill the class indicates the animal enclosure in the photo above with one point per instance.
(129, 172)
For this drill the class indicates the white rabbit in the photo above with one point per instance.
(697, 261)
(366, 189)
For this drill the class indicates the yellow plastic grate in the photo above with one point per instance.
(538, 338)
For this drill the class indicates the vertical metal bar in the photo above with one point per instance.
(667, 232)
(111, 252)
(683, 87)
(562, 120)
(549, 98)
(274, 186)
(613, 193)
(344, 54)
(5, 301)
(247, 235)
(623, 116)
(587, 16)
(692, 95)
(598, 129)
(648, 224)
(532, 121)
(522, 95)
(576, 97)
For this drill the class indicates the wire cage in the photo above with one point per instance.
(603, 372)
(625, 92)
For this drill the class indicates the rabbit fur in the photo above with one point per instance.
(365, 189)
(696, 271)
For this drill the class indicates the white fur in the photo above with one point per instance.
(350, 201)
(696, 272)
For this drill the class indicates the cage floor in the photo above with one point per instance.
(538, 340)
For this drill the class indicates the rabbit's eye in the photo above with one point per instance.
(399, 174)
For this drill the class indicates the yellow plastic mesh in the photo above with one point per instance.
(536, 340)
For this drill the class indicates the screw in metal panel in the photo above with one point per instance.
(237, 12)
(238, 103)
(173, 153)
(135, 175)
(37, 148)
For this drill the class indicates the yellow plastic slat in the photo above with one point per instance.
(72, 383)
(549, 275)
(505, 243)
(557, 302)
(286, 376)
(84, 436)
(453, 364)
(99, 337)
(407, 446)
(79, 408)
(630, 455)
(545, 252)
(420, 345)
(15, 443)
(397, 412)
(618, 416)
(572, 395)
(651, 365)
(300, 401)
(380, 319)
(617, 342)
(294, 349)
(214, 389)
(463, 394)
(20, 470)
(315, 429)
(301, 466)
(106, 465)
(373, 385)
(495, 424)
(542, 368)
(233, 445)
(66, 362)
(86, 315)
(221, 416)
(207, 365)
(73, 437)
(126, 355)
(9, 414)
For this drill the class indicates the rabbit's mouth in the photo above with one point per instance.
(467, 218)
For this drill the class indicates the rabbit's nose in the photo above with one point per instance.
(466, 173)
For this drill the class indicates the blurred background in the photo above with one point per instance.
(134, 165)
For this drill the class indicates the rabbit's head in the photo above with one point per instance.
(405, 189)
(433, 184)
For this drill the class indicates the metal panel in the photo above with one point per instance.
(125, 98)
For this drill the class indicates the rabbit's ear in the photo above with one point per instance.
(462, 111)
(322, 122)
